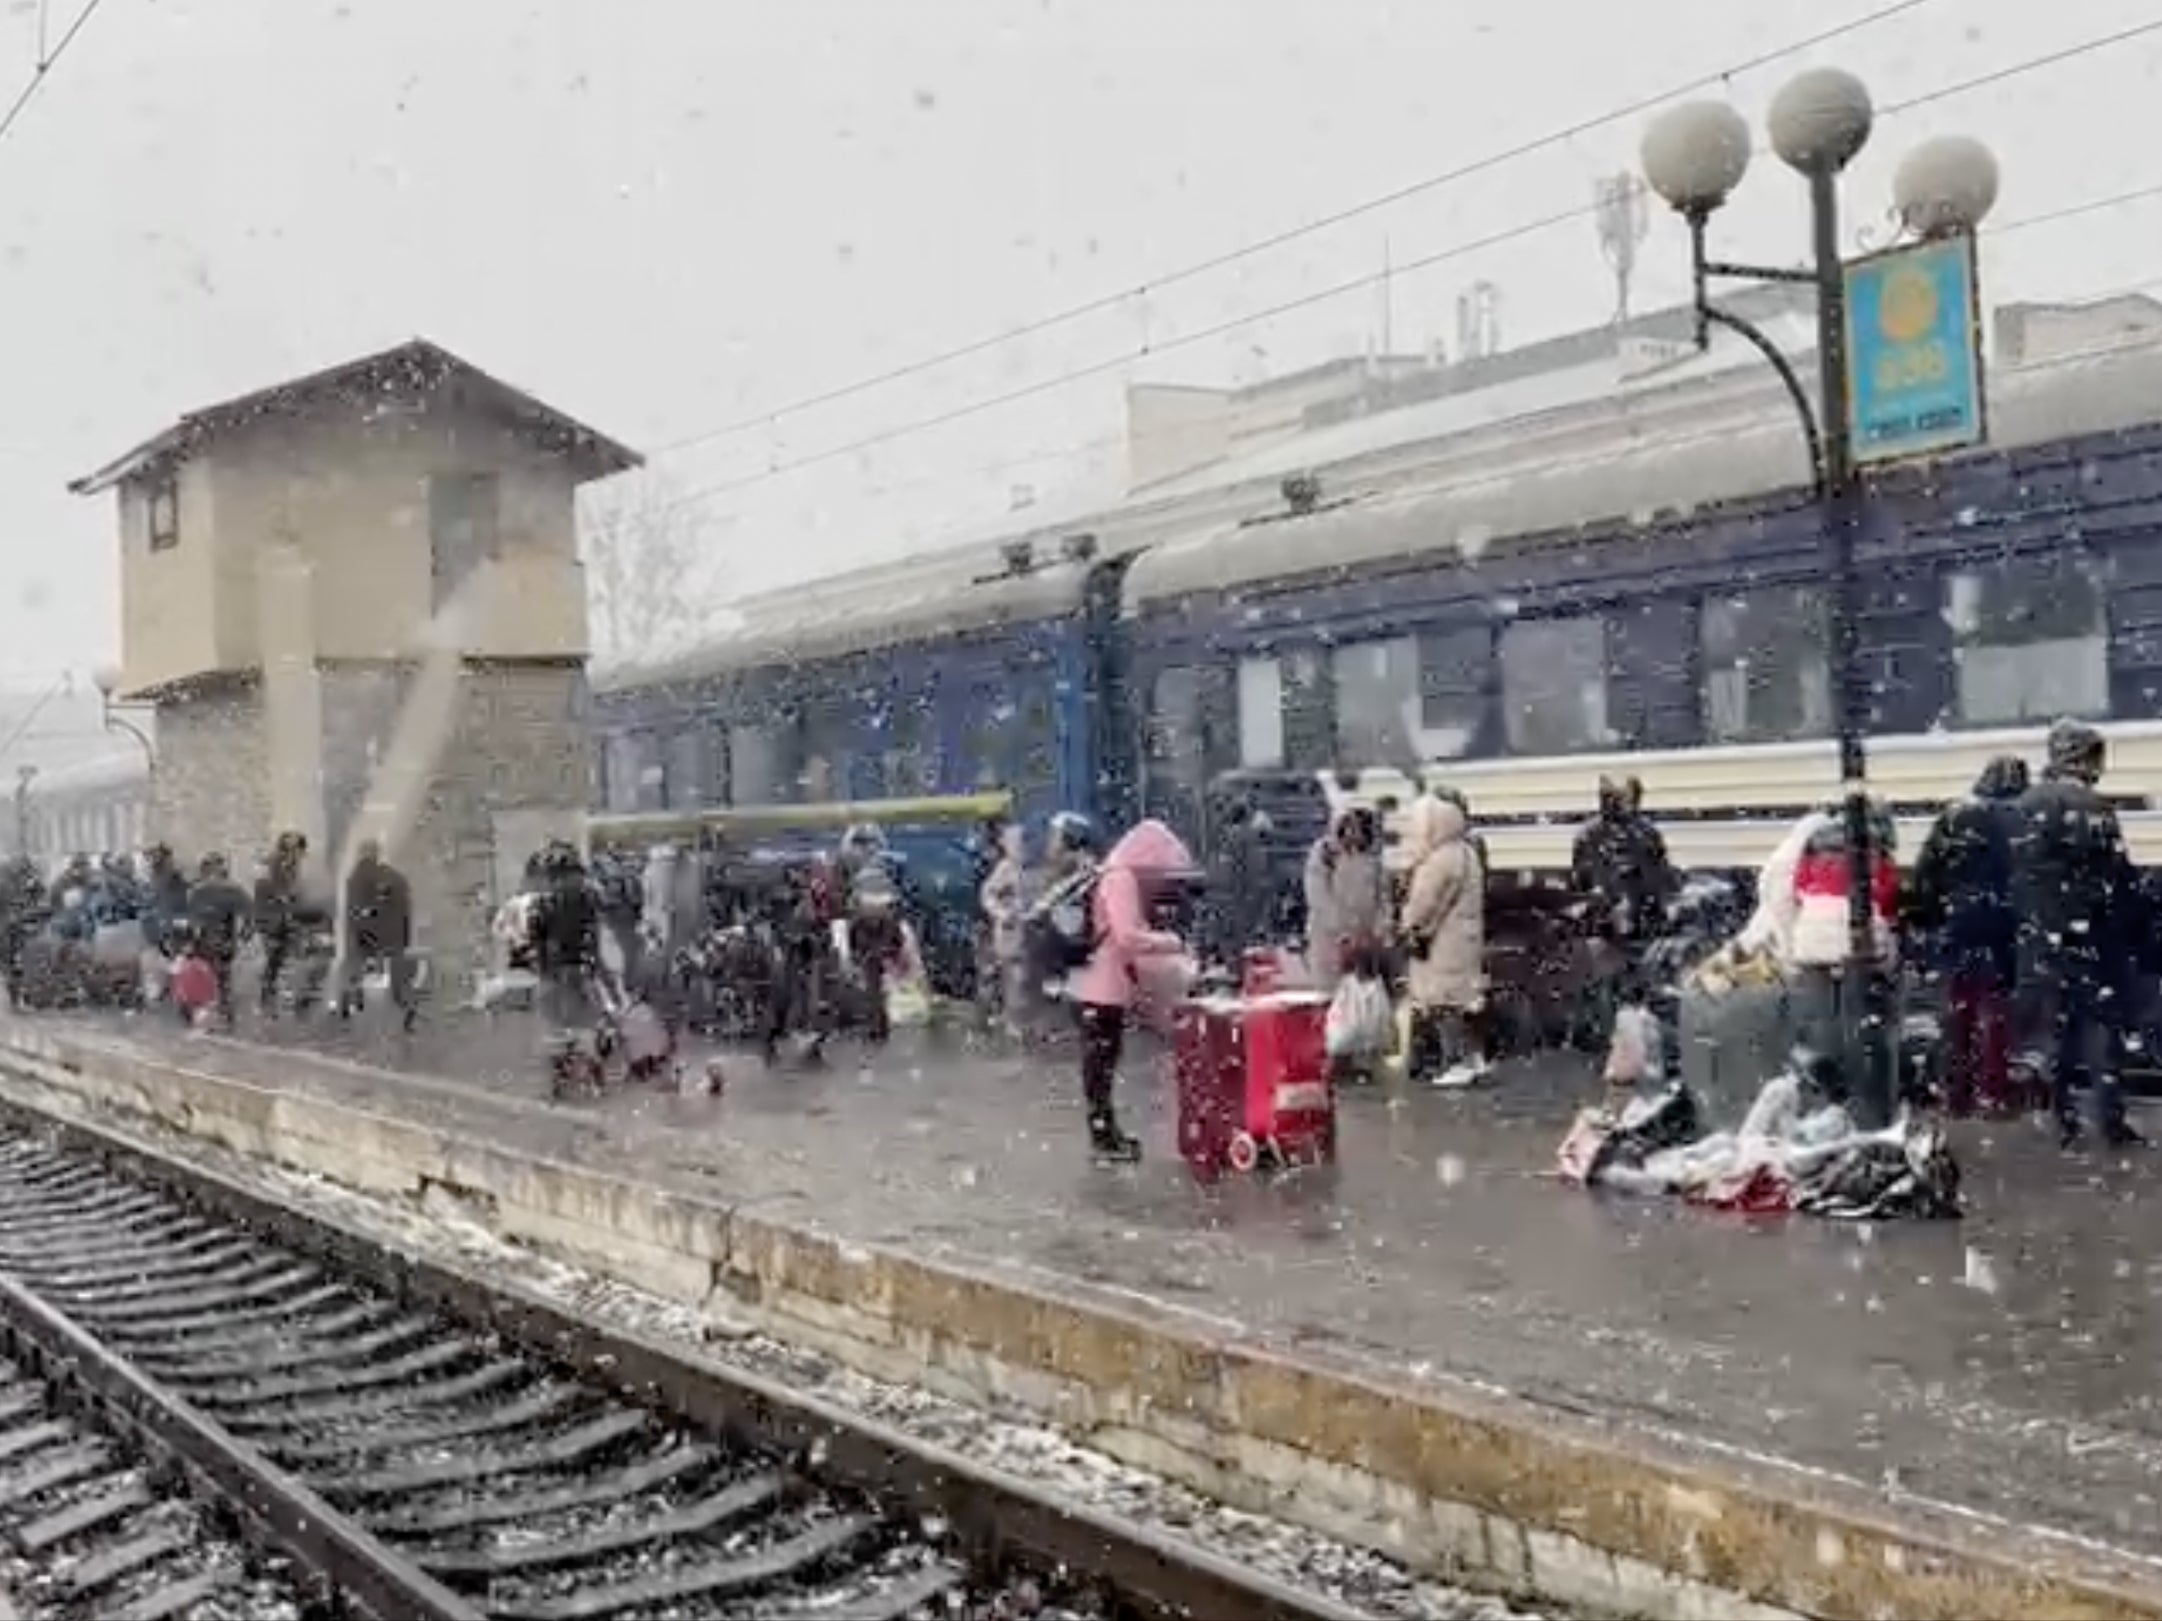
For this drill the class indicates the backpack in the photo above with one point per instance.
(1063, 924)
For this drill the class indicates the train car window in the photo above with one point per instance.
(1377, 695)
(754, 766)
(2030, 640)
(621, 772)
(1178, 743)
(986, 738)
(1554, 685)
(1036, 773)
(1766, 669)
(647, 777)
(689, 781)
(1456, 668)
(821, 774)
(1261, 714)
(910, 763)
(1309, 710)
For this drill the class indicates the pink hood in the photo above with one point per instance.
(1126, 946)
(1151, 852)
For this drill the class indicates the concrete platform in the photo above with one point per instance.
(1480, 1356)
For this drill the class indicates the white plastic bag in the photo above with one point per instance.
(908, 1003)
(1361, 1020)
(1635, 1054)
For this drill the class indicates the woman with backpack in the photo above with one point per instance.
(1136, 873)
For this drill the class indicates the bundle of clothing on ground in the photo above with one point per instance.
(1793, 1152)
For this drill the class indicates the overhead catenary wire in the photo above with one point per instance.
(47, 61)
(1111, 441)
(1105, 302)
(969, 408)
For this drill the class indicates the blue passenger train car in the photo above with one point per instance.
(939, 679)
(1510, 608)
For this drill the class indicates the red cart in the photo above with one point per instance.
(1253, 1082)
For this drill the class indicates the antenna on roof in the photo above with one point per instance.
(1018, 556)
(1623, 217)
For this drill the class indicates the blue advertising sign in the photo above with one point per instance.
(1914, 357)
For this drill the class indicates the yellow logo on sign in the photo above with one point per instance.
(1907, 307)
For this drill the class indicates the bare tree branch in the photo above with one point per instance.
(650, 566)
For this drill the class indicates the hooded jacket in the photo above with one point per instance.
(1818, 936)
(1137, 867)
(1444, 914)
(1347, 896)
(1620, 858)
(2074, 883)
(1962, 889)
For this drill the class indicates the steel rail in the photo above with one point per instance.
(999, 1522)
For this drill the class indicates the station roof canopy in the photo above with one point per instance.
(411, 370)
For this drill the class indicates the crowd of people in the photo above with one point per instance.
(2023, 912)
(115, 929)
(2023, 916)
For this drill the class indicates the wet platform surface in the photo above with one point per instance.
(2007, 1363)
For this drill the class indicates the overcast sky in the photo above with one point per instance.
(665, 215)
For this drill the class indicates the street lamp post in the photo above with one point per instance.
(1694, 156)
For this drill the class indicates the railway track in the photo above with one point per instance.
(96, 1526)
(428, 1449)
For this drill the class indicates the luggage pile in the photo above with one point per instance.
(1793, 1152)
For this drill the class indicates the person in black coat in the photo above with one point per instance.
(1619, 862)
(1961, 897)
(284, 913)
(564, 931)
(2072, 887)
(217, 918)
(378, 929)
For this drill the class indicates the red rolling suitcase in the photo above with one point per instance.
(1253, 1082)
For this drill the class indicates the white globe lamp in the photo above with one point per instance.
(1820, 120)
(1695, 155)
(1945, 186)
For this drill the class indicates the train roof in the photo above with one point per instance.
(1678, 457)
(964, 588)
(866, 610)
(101, 774)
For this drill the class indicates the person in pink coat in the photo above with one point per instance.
(1136, 871)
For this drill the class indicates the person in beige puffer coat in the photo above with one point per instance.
(1347, 898)
(1443, 924)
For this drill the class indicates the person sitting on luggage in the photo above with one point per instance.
(217, 921)
(1132, 876)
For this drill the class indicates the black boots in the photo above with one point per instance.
(1109, 1145)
